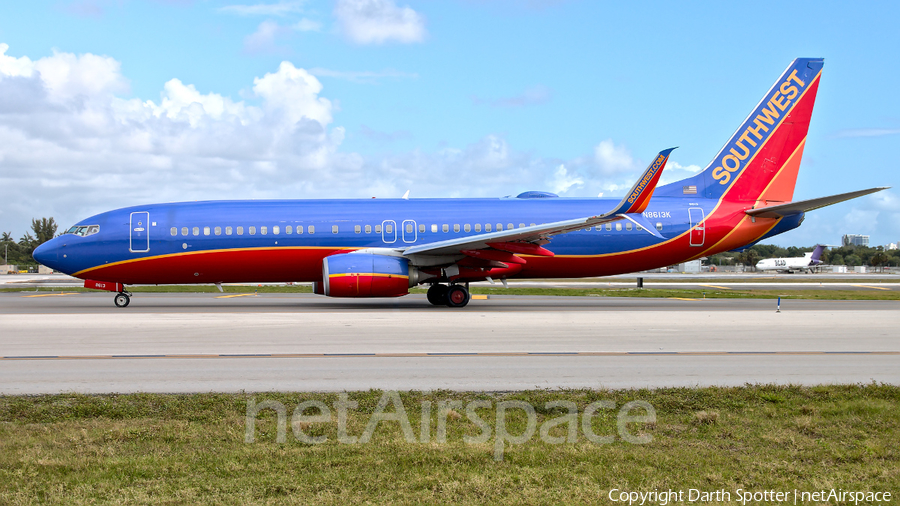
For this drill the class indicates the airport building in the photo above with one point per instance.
(855, 240)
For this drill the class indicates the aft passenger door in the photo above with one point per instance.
(698, 227)
(139, 232)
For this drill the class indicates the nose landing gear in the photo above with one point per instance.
(122, 299)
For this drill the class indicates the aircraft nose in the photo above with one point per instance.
(47, 253)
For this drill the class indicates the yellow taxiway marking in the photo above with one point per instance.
(680, 298)
(873, 287)
(235, 295)
(479, 297)
(717, 286)
(51, 294)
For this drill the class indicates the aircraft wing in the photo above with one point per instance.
(527, 240)
(801, 206)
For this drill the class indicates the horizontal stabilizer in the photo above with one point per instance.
(802, 206)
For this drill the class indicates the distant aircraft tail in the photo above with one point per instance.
(817, 253)
(760, 162)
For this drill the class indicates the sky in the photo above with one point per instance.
(113, 103)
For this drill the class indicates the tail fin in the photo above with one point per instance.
(761, 160)
(817, 253)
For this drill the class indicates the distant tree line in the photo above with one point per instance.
(19, 252)
(845, 255)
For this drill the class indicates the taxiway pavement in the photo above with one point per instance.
(287, 342)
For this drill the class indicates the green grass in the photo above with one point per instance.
(190, 449)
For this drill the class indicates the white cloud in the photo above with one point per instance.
(563, 181)
(307, 25)
(379, 21)
(79, 148)
(612, 159)
(263, 40)
(275, 9)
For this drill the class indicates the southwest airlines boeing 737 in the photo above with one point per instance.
(382, 247)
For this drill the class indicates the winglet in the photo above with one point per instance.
(639, 197)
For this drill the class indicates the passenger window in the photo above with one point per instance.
(174, 231)
(252, 230)
(196, 230)
(205, 230)
(300, 229)
(218, 230)
(521, 225)
(312, 229)
(227, 230)
(377, 229)
(276, 229)
(659, 227)
(434, 228)
(456, 227)
(421, 228)
(478, 227)
(334, 229)
(628, 226)
(263, 230)
(368, 229)
(357, 229)
(289, 229)
(499, 227)
(618, 227)
(608, 226)
(389, 229)
(487, 227)
(509, 226)
(533, 225)
(445, 228)
(467, 227)
(409, 228)
(240, 231)
(638, 228)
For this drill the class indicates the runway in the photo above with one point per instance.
(286, 342)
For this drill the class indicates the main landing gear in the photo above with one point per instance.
(122, 299)
(451, 296)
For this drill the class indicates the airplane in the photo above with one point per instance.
(383, 247)
(789, 265)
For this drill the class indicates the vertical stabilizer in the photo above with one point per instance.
(760, 162)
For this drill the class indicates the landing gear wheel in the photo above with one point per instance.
(437, 294)
(457, 296)
(122, 300)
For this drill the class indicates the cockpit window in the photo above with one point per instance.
(84, 230)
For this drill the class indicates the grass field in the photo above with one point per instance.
(192, 449)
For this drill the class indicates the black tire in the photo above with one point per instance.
(122, 300)
(457, 296)
(437, 294)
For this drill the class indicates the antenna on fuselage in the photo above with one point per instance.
(406, 195)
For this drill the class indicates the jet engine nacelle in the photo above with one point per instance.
(366, 275)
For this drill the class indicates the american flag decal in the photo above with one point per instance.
(689, 190)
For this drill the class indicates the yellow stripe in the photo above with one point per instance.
(480, 297)
(719, 287)
(873, 287)
(235, 295)
(187, 253)
(679, 298)
(373, 274)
